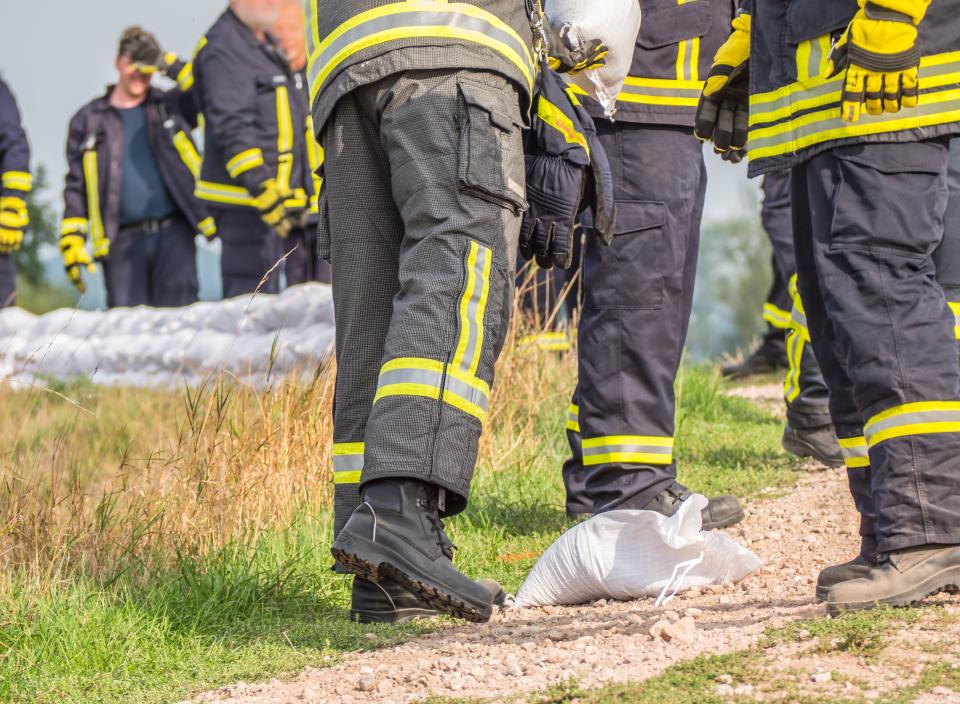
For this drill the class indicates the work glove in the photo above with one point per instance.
(75, 256)
(548, 227)
(567, 57)
(273, 211)
(879, 53)
(724, 108)
(14, 219)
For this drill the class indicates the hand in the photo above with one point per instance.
(547, 230)
(565, 58)
(75, 256)
(880, 56)
(724, 109)
(270, 203)
(14, 218)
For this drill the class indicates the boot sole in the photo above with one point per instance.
(947, 580)
(822, 593)
(371, 562)
(802, 450)
(732, 521)
(398, 616)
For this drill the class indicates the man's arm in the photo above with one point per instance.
(14, 149)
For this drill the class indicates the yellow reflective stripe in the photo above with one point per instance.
(573, 418)
(661, 91)
(207, 227)
(791, 385)
(91, 178)
(628, 449)
(550, 341)
(284, 139)
(777, 317)
(347, 462)
(919, 418)
(185, 77)
(955, 309)
(855, 451)
(224, 193)
(813, 58)
(73, 226)
(553, 116)
(688, 56)
(416, 19)
(188, 152)
(245, 161)
(427, 378)
(472, 308)
(17, 180)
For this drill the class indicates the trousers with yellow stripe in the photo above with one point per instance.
(868, 218)
(422, 200)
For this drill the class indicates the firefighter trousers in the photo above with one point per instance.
(638, 295)
(868, 218)
(423, 198)
(777, 223)
(250, 258)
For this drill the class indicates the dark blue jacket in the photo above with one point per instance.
(15, 179)
(254, 117)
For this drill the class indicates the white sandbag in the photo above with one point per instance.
(630, 554)
(614, 22)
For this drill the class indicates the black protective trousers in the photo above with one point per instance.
(423, 196)
(777, 223)
(638, 295)
(867, 219)
(251, 254)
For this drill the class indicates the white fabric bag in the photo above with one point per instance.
(614, 22)
(630, 554)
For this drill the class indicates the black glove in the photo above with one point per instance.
(564, 58)
(547, 231)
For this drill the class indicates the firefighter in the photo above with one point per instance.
(256, 172)
(15, 185)
(302, 261)
(865, 128)
(129, 187)
(420, 109)
(638, 293)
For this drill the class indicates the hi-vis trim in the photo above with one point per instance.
(414, 19)
(244, 162)
(188, 153)
(74, 226)
(920, 418)
(91, 177)
(777, 317)
(855, 452)
(224, 193)
(284, 139)
(955, 309)
(795, 346)
(553, 116)
(185, 77)
(573, 418)
(813, 57)
(207, 227)
(550, 341)
(628, 449)
(688, 56)
(428, 378)
(682, 93)
(17, 181)
(347, 462)
(473, 308)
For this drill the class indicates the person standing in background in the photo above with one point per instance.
(15, 184)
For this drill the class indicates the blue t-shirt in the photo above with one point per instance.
(143, 195)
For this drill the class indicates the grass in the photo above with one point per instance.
(155, 544)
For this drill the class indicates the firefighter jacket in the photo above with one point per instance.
(674, 53)
(15, 178)
(95, 142)
(795, 104)
(351, 43)
(253, 115)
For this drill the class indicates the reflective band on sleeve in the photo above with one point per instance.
(661, 91)
(472, 308)
(553, 116)
(188, 153)
(244, 161)
(777, 317)
(416, 19)
(573, 418)
(185, 77)
(17, 181)
(207, 227)
(920, 418)
(855, 452)
(347, 462)
(224, 193)
(94, 217)
(955, 309)
(550, 341)
(628, 449)
(74, 226)
(428, 378)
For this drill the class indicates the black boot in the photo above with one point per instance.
(396, 534)
(388, 602)
(819, 443)
(721, 511)
(767, 359)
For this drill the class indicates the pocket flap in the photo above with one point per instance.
(809, 20)
(638, 215)
(491, 102)
(663, 26)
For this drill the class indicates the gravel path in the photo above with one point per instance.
(529, 649)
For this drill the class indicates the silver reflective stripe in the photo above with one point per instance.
(631, 449)
(816, 56)
(798, 318)
(467, 392)
(659, 91)
(902, 419)
(424, 377)
(473, 320)
(758, 109)
(855, 453)
(348, 463)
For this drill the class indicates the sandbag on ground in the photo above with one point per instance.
(626, 555)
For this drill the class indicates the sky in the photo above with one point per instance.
(58, 54)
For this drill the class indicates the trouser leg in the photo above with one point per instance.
(877, 218)
(8, 282)
(173, 266)
(947, 255)
(449, 156)
(249, 252)
(776, 218)
(126, 271)
(298, 253)
(638, 298)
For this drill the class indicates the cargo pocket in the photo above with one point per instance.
(629, 273)
(491, 149)
(668, 25)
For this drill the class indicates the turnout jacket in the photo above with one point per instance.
(674, 53)
(254, 117)
(351, 43)
(95, 142)
(15, 178)
(795, 104)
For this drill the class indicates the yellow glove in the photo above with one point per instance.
(75, 256)
(724, 108)
(270, 203)
(881, 58)
(14, 218)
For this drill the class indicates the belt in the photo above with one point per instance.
(148, 227)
